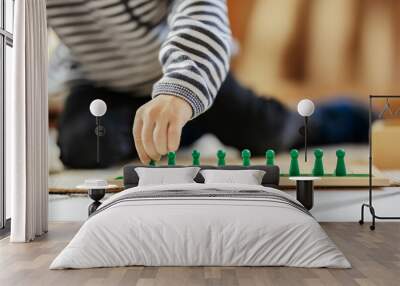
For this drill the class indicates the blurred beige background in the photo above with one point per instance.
(296, 48)
(292, 49)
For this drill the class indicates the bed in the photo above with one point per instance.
(201, 224)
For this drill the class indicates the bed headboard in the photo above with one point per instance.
(271, 177)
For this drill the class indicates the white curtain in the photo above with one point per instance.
(27, 124)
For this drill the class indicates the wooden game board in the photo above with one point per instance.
(357, 178)
(356, 164)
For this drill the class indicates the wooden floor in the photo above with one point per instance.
(375, 257)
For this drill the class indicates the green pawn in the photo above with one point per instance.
(294, 169)
(318, 169)
(195, 158)
(270, 157)
(171, 158)
(221, 158)
(246, 154)
(152, 163)
(340, 170)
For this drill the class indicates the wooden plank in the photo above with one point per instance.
(341, 182)
(358, 177)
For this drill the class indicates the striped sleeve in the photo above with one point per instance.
(195, 56)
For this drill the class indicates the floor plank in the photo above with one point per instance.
(375, 257)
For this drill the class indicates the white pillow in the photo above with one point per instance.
(166, 176)
(248, 177)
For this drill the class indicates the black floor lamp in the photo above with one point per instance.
(386, 108)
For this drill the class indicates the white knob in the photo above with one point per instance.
(305, 107)
(98, 107)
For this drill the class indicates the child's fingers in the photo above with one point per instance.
(158, 126)
(148, 140)
(160, 136)
(174, 136)
(137, 135)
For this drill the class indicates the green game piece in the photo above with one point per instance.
(318, 169)
(294, 169)
(152, 163)
(171, 158)
(119, 178)
(221, 158)
(270, 157)
(340, 170)
(246, 154)
(195, 158)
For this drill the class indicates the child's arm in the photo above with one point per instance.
(195, 57)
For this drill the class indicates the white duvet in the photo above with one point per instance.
(192, 231)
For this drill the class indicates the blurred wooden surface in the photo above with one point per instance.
(374, 255)
(310, 48)
(385, 144)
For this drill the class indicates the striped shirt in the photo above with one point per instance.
(179, 47)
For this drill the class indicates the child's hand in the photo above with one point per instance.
(158, 126)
